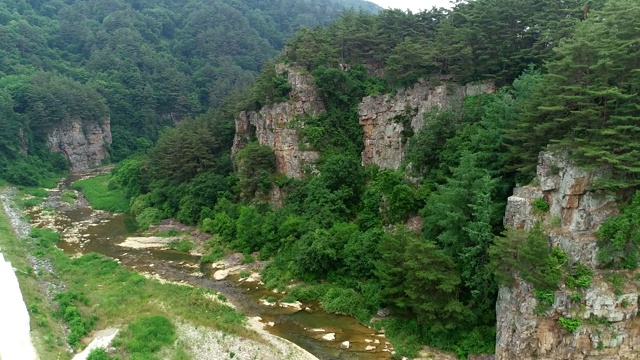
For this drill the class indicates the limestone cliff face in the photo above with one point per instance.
(384, 117)
(274, 126)
(610, 328)
(84, 145)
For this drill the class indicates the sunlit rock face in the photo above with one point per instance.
(275, 125)
(610, 326)
(84, 145)
(386, 118)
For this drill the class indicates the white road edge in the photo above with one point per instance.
(15, 337)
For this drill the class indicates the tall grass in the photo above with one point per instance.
(101, 196)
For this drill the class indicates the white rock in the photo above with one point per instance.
(220, 274)
(329, 337)
(345, 345)
(370, 348)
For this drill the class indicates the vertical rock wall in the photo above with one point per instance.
(382, 117)
(274, 125)
(83, 145)
(610, 328)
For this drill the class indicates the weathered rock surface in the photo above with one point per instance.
(84, 145)
(384, 117)
(275, 125)
(610, 328)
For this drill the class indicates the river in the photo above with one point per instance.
(85, 230)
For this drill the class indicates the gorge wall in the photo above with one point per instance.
(274, 125)
(84, 145)
(384, 117)
(608, 311)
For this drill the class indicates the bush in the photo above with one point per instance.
(619, 238)
(99, 354)
(68, 311)
(570, 324)
(149, 216)
(148, 335)
(540, 206)
(181, 245)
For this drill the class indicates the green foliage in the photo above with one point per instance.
(68, 311)
(579, 277)
(540, 206)
(569, 324)
(619, 238)
(149, 216)
(181, 245)
(99, 354)
(100, 195)
(148, 335)
(69, 196)
(528, 252)
(587, 102)
(419, 277)
(544, 300)
(255, 167)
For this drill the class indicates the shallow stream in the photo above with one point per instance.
(85, 230)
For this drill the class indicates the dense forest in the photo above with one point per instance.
(568, 76)
(147, 64)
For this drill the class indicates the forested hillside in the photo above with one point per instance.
(425, 241)
(568, 78)
(147, 64)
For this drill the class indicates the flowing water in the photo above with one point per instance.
(84, 231)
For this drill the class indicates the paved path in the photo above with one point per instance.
(15, 339)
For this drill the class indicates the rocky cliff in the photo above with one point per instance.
(606, 310)
(84, 145)
(275, 125)
(386, 118)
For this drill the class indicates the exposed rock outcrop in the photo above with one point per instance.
(275, 125)
(385, 117)
(84, 145)
(610, 328)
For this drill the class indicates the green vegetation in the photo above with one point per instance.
(181, 245)
(568, 324)
(47, 331)
(98, 293)
(570, 82)
(69, 196)
(540, 206)
(619, 238)
(101, 195)
(146, 336)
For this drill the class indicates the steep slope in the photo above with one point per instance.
(605, 312)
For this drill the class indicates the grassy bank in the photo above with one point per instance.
(99, 293)
(101, 196)
(47, 332)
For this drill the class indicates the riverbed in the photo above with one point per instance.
(85, 230)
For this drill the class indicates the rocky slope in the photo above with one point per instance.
(275, 125)
(84, 145)
(607, 310)
(385, 118)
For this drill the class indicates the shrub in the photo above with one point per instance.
(181, 245)
(147, 335)
(540, 206)
(570, 324)
(68, 311)
(580, 277)
(545, 299)
(619, 238)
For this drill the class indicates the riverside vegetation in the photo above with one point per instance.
(568, 79)
(93, 292)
